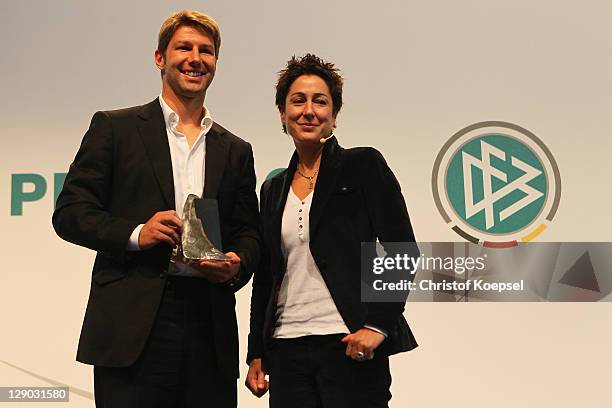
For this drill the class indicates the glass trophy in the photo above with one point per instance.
(195, 243)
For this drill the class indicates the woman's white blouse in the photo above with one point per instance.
(305, 306)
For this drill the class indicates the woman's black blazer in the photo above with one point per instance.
(356, 199)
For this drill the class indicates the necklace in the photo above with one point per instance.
(309, 178)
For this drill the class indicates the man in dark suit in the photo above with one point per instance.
(161, 333)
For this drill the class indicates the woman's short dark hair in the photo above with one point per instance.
(309, 64)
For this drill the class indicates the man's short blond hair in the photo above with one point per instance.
(190, 18)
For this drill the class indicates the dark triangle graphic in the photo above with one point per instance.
(581, 274)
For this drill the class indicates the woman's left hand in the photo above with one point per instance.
(362, 341)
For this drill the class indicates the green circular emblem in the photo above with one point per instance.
(503, 198)
(496, 182)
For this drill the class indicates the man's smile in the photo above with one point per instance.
(192, 73)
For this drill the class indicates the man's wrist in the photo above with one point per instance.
(132, 244)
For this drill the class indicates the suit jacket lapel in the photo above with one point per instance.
(152, 131)
(281, 199)
(281, 191)
(328, 173)
(217, 150)
(279, 205)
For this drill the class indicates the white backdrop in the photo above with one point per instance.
(415, 73)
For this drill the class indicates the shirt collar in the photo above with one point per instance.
(171, 117)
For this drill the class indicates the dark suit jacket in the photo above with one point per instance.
(356, 199)
(120, 177)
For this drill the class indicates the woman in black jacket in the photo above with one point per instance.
(320, 343)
